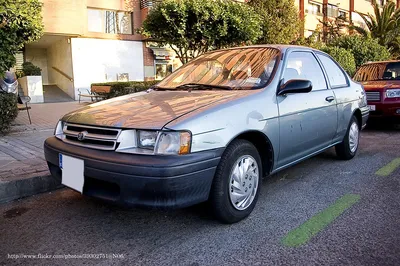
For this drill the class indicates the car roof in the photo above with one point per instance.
(281, 47)
(381, 62)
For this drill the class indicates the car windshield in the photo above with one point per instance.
(241, 68)
(378, 71)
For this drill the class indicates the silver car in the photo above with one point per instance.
(211, 130)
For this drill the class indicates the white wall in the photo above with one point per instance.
(98, 60)
(59, 56)
(38, 57)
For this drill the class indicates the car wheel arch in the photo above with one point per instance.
(357, 114)
(263, 146)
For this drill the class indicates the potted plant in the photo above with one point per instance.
(30, 80)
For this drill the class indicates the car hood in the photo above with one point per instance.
(151, 110)
(381, 84)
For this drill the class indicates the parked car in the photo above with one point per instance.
(211, 130)
(381, 81)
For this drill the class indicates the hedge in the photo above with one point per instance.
(364, 49)
(120, 88)
(8, 110)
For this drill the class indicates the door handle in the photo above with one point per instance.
(329, 98)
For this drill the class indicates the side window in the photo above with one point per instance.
(335, 75)
(304, 65)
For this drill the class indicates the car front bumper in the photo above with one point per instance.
(140, 180)
(388, 109)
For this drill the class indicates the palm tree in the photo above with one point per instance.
(384, 25)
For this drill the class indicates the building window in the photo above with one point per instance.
(314, 9)
(342, 14)
(109, 21)
(163, 69)
(332, 11)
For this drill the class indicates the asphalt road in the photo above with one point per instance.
(367, 233)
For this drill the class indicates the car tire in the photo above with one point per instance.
(347, 149)
(231, 200)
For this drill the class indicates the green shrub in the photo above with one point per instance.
(363, 48)
(30, 69)
(126, 87)
(8, 110)
(344, 57)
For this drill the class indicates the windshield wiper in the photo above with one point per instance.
(199, 86)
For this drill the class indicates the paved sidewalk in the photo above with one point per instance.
(23, 169)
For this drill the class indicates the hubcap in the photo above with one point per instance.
(243, 182)
(353, 137)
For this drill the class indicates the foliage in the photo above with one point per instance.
(280, 21)
(334, 28)
(363, 48)
(20, 23)
(382, 24)
(193, 27)
(29, 69)
(310, 41)
(8, 110)
(122, 88)
(344, 57)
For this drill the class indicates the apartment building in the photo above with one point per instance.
(316, 11)
(89, 41)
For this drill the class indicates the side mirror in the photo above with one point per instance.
(295, 86)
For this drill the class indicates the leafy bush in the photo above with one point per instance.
(280, 21)
(363, 48)
(20, 23)
(344, 57)
(122, 88)
(8, 110)
(30, 69)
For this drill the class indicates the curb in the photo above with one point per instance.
(17, 189)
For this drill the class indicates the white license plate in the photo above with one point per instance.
(72, 172)
(372, 107)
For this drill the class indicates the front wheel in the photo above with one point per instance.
(236, 182)
(347, 149)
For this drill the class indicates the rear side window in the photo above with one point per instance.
(335, 75)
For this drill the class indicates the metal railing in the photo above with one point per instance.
(63, 74)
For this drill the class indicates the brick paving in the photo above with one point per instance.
(21, 151)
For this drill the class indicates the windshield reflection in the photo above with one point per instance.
(240, 68)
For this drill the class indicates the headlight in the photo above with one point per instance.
(173, 143)
(393, 93)
(58, 131)
(147, 139)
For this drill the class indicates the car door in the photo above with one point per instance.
(308, 121)
(340, 86)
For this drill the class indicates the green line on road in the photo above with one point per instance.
(389, 168)
(318, 222)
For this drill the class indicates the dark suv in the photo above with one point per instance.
(381, 81)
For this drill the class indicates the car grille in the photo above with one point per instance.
(91, 137)
(373, 96)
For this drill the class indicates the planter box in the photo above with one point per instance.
(32, 87)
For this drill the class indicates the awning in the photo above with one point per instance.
(163, 53)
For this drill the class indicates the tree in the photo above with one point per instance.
(20, 23)
(383, 25)
(193, 27)
(280, 21)
(334, 28)
(363, 48)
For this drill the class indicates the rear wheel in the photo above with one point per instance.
(236, 182)
(347, 149)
